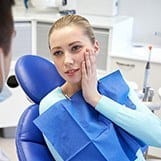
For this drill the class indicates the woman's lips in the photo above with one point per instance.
(71, 72)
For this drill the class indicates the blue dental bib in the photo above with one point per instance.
(79, 133)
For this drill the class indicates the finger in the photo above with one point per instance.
(84, 72)
(93, 62)
(88, 62)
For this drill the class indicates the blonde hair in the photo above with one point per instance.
(73, 20)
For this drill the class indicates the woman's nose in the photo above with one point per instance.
(68, 60)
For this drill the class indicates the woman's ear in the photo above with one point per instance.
(96, 47)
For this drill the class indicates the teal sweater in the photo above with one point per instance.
(132, 121)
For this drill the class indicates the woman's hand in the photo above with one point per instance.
(89, 78)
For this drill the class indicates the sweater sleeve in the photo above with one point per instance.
(141, 122)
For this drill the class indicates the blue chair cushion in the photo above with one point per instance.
(30, 143)
(37, 76)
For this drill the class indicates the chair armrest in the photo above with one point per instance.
(30, 143)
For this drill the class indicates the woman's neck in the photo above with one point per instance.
(69, 89)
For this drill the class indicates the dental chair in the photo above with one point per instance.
(37, 76)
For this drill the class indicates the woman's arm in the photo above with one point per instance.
(141, 122)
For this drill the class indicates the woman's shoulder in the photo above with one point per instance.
(51, 98)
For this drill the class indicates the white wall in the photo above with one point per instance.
(147, 19)
(146, 13)
(97, 7)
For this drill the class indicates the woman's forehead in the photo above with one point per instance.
(68, 29)
(67, 33)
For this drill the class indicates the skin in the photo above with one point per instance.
(5, 61)
(75, 59)
(6, 34)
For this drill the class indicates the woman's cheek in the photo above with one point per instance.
(83, 55)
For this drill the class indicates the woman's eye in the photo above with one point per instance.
(76, 48)
(57, 53)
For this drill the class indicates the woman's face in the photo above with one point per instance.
(68, 46)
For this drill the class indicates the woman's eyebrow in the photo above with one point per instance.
(55, 48)
(70, 44)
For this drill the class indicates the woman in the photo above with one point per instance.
(6, 33)
(74, 49)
